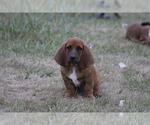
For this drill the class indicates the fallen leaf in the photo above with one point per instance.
(122, 65)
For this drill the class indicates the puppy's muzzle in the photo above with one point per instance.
(73, 59)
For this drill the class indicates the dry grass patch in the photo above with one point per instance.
(74, 118)
(30, 80)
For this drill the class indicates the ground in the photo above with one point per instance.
(30, 79)
(74, 6)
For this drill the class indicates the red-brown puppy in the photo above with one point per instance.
(139, 32)
(77, 68)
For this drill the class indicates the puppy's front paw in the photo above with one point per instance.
(90, 96)
(68, 95)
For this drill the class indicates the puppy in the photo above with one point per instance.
(139, 32)
(77, 68)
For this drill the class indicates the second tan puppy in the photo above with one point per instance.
(139, 32)
(77, 68)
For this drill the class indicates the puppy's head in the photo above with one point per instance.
(74, 51)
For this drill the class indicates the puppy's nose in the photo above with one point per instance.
(72, 57)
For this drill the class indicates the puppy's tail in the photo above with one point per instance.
(145, 23)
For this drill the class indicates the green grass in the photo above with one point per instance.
(30, 79)
(73, 6)
(136, 80)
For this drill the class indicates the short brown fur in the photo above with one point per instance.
(138, 33)
(83, 62)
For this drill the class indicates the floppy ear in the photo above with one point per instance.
(61, 57)
(86, 58)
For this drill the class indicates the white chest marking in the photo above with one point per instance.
(73, 77)
(149, 33)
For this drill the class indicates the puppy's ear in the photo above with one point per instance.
(61, 57)
(86, 58)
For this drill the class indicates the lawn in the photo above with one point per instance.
(73, 6)
(30, 79)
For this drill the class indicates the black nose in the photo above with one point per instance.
(72, 57)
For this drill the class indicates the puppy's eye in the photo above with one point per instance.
(68, 47)
(79, 48)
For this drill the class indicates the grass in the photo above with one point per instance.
(30, 80)
(138, 81)
(73, 6)
(74, 118)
